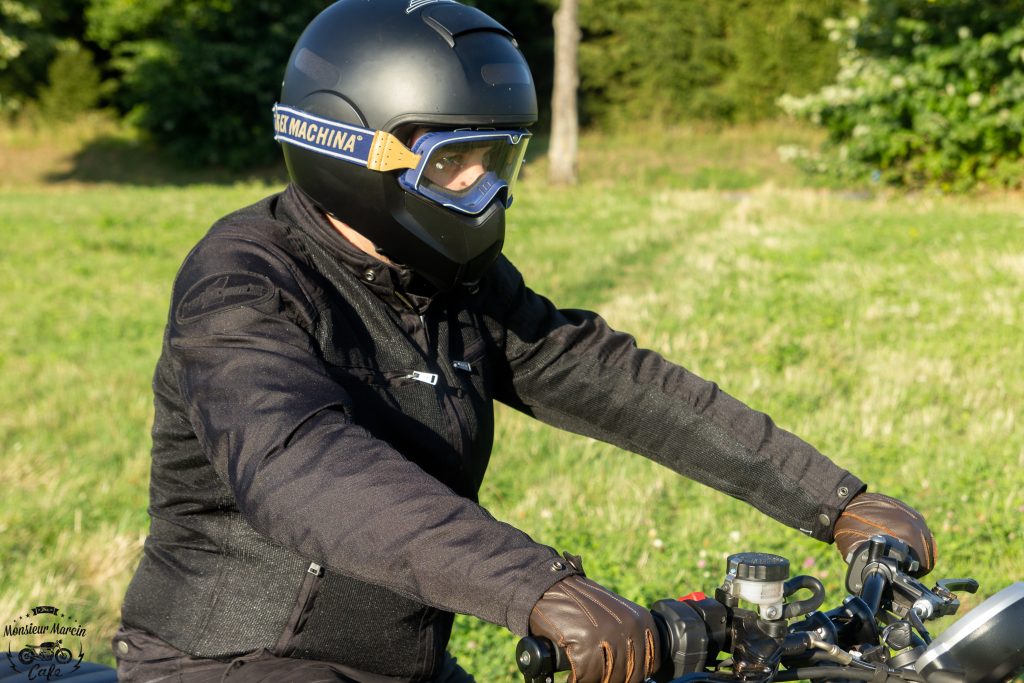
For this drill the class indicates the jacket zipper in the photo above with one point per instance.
(286, 644)
(448, 400)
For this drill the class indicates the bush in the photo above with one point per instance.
(725, 60)
(200, 77)
(779, 47)
(22, 42)
(930, 93)
(73, 84)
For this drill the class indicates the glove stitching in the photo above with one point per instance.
(883, 504)
(648, 652)
(561, 641)
(579, 602)
(569, 649)
(630, 660)
(609, 661)
(600, 604)
(929, 559)
(868, 522)
(625, 603)
(855, 532)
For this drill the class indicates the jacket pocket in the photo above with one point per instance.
(304, 602)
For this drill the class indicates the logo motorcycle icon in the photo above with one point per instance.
(52, 658)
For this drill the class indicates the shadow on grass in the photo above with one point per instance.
(113, 159)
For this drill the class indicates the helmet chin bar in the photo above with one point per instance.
(446, 249)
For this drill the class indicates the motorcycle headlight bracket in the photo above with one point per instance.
(985, 646)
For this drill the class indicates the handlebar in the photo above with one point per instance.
(877, 634)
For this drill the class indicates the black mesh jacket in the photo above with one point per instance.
(321, 434)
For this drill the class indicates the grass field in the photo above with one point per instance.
(884, 329)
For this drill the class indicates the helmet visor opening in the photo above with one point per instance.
(466, 170)
(463, 170)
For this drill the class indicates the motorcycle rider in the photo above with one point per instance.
(324, 395)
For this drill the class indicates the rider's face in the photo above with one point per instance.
(457, 170)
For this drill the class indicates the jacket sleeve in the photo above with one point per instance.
(568, 368)
(276, 427)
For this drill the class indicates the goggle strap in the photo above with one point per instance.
(341, 141)
(387, 153)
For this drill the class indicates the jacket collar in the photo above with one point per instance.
(394, 284)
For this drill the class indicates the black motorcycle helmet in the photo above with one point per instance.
(394, 66)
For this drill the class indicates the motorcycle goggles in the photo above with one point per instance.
(463, 170)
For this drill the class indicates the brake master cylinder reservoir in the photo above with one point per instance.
(758, 578)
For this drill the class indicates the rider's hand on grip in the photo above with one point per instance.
(872, 513)
(607, 638)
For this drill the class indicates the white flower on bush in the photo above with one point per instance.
(860, 130)
(788, 153)
(964, 32)
(898, 82)
(974, 99)
(950, 89)
(794, 106)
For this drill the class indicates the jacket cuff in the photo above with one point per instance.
(833, 505)
(536, 583)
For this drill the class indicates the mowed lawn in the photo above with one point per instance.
(886, 330)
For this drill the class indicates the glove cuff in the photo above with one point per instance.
(543, 577)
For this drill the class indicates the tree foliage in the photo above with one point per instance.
(201, 75)
(725, 60)
(930, 93)
(32, 34)
(72, 85)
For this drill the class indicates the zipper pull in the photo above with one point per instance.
(425, 377)
(462, 365)
(315, 569)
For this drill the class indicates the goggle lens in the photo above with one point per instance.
(466, 170)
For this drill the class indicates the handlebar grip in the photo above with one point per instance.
(538, 659)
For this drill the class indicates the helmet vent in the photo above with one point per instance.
(318, 69)
(451, 21)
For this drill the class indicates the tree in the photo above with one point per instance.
(564, 145)
(666, 60)
(32, 34)
(201, 76)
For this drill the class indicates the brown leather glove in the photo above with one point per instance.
(870, 514)
(607, 638)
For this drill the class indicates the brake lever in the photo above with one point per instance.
(938, 602)
(950, 586)
(895, 561)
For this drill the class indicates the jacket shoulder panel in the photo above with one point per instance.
(245, 261)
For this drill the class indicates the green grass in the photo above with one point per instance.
(887, 331)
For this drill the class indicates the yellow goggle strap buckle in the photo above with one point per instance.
(387, 153)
